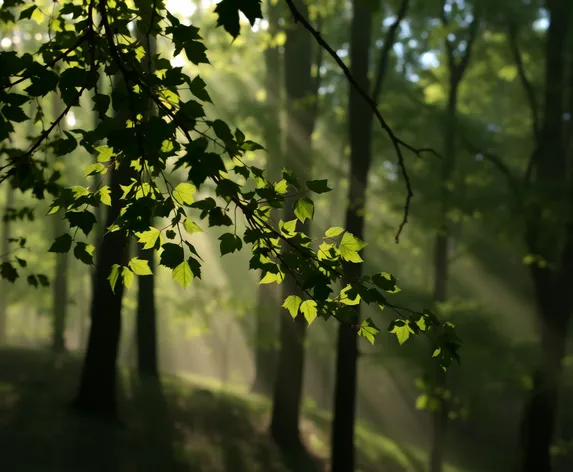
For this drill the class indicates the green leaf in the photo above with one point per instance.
(139, 266)
(318, 186)
(386, 282)
(104, 194)
(368, 330)
(113, 276)
(228, 12)
(349, 247)
(127, 276)
(304, 209)
(105, 153)
(182, 274)
(281, 187)
(184, 192)
(230, 243)
(32, 280)
(334, 232)
(402, 330)
(26, 14)
(8, 272)
(14, 113)
(62, 244)
(149, 238)
(309, 310)
(292, 304)
(345, 299)
(84, 252)
(85, 220)
(172, 255)
(97, 168)
(191, 227)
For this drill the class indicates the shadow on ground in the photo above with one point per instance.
(168, 427)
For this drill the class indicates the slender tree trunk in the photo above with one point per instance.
(146, 315)
(97, 389)
(456, 70)
(60, 293)
(5, 248)
(60, 284)
(360, 128)
(553, 241)
(288, 387)
(268, 296)
(146, 321)
(360, 118)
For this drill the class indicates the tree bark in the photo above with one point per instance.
(5, 245)
(360, 129)
(97, 390)
(361, 118)
(60, 293)
(60, 284)
(269, 294)
(287, 393)
(552, 239)
(146, 321)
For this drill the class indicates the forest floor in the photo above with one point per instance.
(184, 426)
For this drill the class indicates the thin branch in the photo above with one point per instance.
(52, 63)
(500, 166)
(463, 64)
(385, 52)
(526, 84)
(397, 143)
(318, 79)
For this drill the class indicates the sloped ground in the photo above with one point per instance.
(181, 427)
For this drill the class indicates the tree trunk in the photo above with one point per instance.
(287, 393)
(456, 70)
(97, 389)
(5, 245)
(441, 266)
(269, 294)
(60, 284)
(360, 130)
(360, 127)
(552, 239)
(146, 315)
(539, 415)
(60, 293)
(146, 321)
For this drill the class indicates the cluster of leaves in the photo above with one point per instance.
(11, 264)
(93, 38)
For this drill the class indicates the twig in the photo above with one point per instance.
(397, 143)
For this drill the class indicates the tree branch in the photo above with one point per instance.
(397, 143)
(385, 52)
(463, 64)
(526, 84)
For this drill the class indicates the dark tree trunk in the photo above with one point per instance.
(146, 322)
(265, 336)
(456, 71)
(60, 283)
(60, 293)
(5, 249)
(360, 127)
(360, 117)
(552, 239)
(97, 389)
(146, 316)
(288, 386)
(441, 269)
